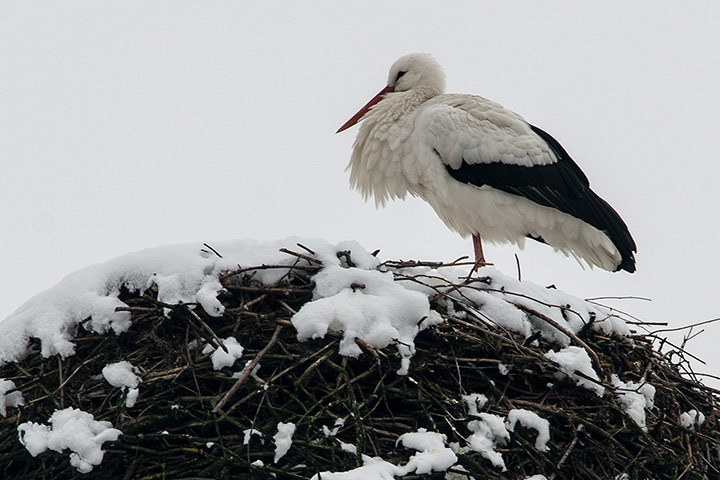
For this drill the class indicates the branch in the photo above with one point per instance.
(248, 370)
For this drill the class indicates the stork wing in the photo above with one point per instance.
(474, 130)
(560, 185)
(510, 155)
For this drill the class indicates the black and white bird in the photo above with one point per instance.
(483, 169)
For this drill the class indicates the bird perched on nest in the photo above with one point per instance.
(483, 169)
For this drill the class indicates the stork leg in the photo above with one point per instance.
(479, 255)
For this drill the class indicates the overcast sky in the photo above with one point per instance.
(132, 124)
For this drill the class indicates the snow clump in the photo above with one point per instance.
(283, 439)
(122, 375)
(692, 418)
(488, 432)
(70, 429)
(364, 304)
(220, 358)
(432, 456)
(575, 359)
(634, 398)
(529, 419)
(475, 401)
(11, 399)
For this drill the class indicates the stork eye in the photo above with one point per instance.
(400, 74)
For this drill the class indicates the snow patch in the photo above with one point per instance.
(70, 429)
(499, 299)
(283, 439)
(348, 447)
(9, 398)
(475, 401)
(692, 418)
(122, 375)
(220, 358)
(634, 398)
(185, 273)
(487, 433)
(247, 435)
(529, 419)
(432, 456)
(207, 297)
(364, 304)
(339, 422)
(575, 359)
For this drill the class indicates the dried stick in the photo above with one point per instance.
(207, 327)
(686, 326)
(212, 250)
(300, 255)
(248, 370)
(564, 330)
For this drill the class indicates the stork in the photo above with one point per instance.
(485, 171)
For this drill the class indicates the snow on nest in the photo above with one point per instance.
(185, 273)
(575, 359)
(378, 304)
(432, 456)
(9, 398)
(692, 418)
(221, 358)
(283, 439)
(122, 375)
(363, 301)
(635, 398)
(70, 429)
(382, 313)
(502, 300)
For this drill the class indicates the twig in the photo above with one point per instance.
(212, 250)
(207, 327)
(397, 264)
(310, 251)
(233, 273)
(247, 305)
(248, 370)
(625, 297)
(564, 330)
(664, 340)
(300, 255)
(692, 325)
(283, 290)
(287, 307)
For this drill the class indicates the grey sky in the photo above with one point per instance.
(128, 125)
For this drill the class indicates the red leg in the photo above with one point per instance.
(479, 256)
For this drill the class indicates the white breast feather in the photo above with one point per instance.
(379, 151)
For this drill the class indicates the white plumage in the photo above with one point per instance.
(483, 169)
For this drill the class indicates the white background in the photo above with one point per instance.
(131, 124)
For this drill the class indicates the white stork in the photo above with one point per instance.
(483, 169)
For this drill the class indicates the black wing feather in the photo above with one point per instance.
(560, 185)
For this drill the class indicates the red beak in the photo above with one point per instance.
(361, 113)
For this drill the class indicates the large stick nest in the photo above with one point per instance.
(189, 419)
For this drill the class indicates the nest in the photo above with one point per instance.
(190, 419)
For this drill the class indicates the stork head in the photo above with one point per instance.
(417, 71)
(417, 74)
